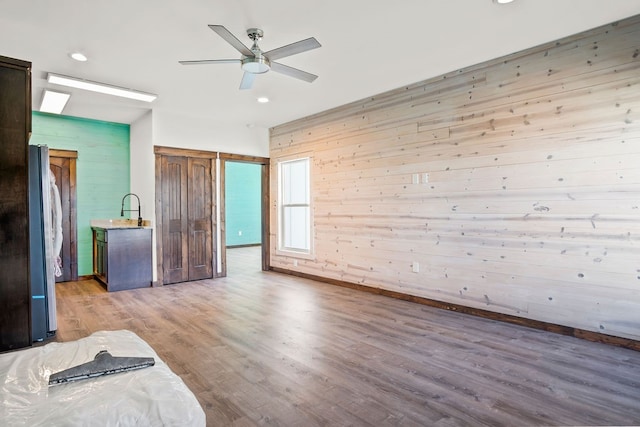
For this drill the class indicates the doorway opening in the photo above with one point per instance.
(63, 167)
(243, 214)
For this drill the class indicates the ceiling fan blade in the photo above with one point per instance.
(292, 72)
(231, 39)
(293, 49)
(211, 61)
(247, 80)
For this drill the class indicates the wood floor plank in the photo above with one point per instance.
(261, 348)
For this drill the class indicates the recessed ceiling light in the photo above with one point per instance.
(53, 102)
(502, 1)
(100, 87)
(263, 100)
(78, 56)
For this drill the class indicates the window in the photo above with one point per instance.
(294, 206)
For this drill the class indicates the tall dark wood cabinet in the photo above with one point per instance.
(15, 129)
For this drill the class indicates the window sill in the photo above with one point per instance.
(295, 254)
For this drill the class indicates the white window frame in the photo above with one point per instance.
(282, 248)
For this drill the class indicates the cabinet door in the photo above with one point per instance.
(15, 125)
(199, 214)
(102, 260)
(175, 227)
(100, 254)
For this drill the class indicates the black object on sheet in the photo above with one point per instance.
(103, 364)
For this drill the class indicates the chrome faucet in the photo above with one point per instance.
(122, 210)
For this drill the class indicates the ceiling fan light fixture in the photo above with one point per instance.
(256, 64)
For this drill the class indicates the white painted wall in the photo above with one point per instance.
(142, 171)
(175, 130)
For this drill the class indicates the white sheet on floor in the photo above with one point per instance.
(153, 396)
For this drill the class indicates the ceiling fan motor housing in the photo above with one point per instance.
(258, 63)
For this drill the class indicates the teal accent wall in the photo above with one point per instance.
(243, 203)
(102, 170)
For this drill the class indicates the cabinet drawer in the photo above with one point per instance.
(101, 235)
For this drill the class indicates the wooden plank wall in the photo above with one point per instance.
(512, 186)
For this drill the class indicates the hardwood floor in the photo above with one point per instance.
(260, 348)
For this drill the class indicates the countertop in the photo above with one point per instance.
(119, 223)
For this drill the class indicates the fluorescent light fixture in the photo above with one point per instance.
(100, 87)
(53, 102)
(263, 100)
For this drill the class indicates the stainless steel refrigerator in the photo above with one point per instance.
(44, 238)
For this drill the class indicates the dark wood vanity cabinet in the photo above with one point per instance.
(122, 257)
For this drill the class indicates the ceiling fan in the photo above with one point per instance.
(255, 61)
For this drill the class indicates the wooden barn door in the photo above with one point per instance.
(199, 218)
(187, 209)
(63, 166)
(175, 245)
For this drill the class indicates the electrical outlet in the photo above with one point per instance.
(415, 178)
(295, 262)
(425, 178)
(239, 232)
(415, 267)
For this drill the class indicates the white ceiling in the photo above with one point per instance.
(368, 47)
